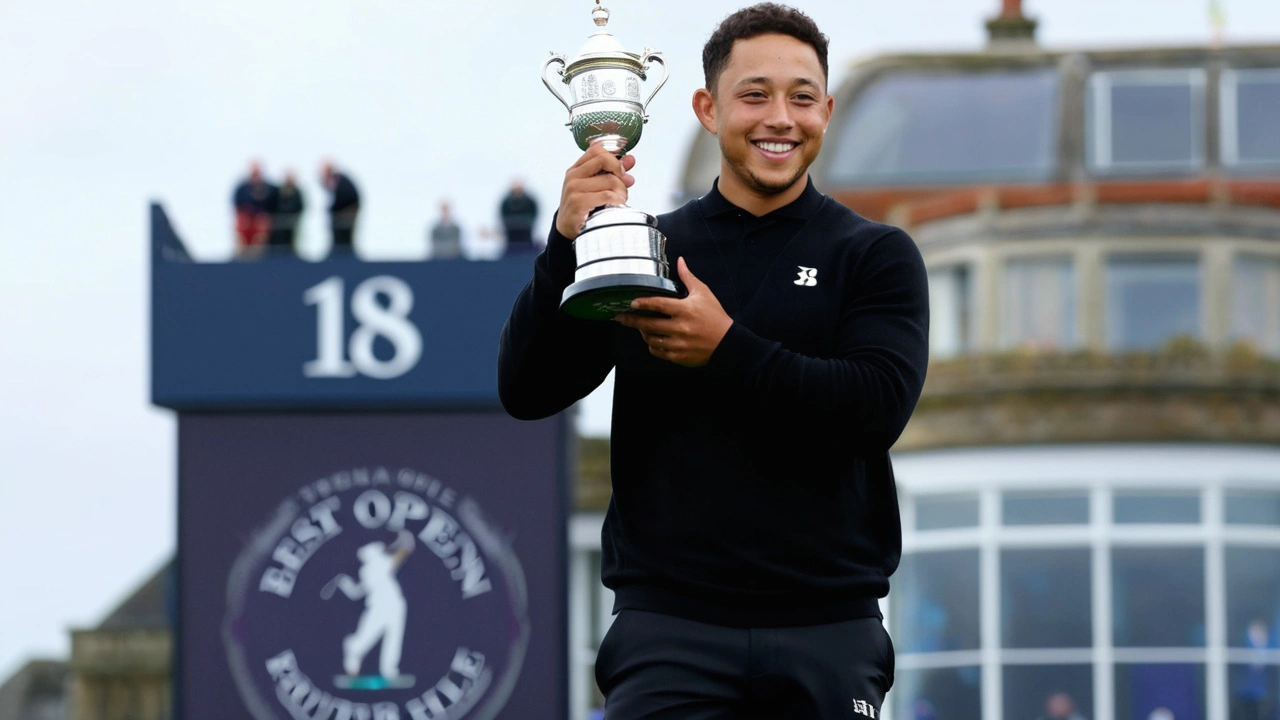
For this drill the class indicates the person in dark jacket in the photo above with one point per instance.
(284, 223)
(343, 207)
(446, 236)
(519, 211)
(753, 525)
(254, 200)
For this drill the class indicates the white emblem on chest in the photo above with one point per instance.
(808, 276)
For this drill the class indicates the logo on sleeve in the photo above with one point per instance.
(864, 708)
(808, 276)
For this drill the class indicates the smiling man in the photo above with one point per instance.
(754, 520)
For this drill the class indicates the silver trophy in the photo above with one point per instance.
(620, 253)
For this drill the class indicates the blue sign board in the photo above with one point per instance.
(282, 332)
(363, 533)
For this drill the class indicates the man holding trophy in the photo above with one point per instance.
(754, 520)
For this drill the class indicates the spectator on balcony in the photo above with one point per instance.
(254, 201)
(446, 236)
(1060, 706)
(518, 210)
(343, 208)
(923, 710)
(1253, 692)
(284, 223)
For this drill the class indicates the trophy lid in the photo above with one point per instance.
(602, 47)
(618, 216)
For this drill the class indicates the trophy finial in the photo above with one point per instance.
(600, 15)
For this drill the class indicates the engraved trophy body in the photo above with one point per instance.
(620, 253)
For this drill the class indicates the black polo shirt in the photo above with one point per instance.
(750, 244)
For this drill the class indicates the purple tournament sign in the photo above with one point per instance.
(371, 567)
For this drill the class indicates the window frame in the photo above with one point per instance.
(1266, 262)
(1121, 494)
(1004, 339)
(1050, 494)
(1104, 470)
(1099, 151)
(832, 173)
(967, 332)
(1229, 116)
(1203, 294)
(948, 497)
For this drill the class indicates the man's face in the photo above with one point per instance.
(771, 110)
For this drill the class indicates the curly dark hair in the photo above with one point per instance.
(760, 19)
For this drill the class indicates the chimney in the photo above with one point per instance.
(1011, 29)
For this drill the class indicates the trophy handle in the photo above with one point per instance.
(654, 56)
(553, 60)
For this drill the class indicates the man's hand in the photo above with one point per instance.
(694, 328)
(598, 178)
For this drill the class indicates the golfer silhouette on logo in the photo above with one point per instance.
(384, 606)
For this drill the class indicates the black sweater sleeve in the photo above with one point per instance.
(548, 360)
(875, 377)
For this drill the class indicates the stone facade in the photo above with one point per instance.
(1182, 394)
(36, 692)
(120, 674)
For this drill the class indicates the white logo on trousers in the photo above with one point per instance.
(808, 276)
(864, 708)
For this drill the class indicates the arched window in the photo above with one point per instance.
(943, 127)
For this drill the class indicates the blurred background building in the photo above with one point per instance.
(1091, 482)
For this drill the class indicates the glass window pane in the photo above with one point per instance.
(940, 512)
(1158, 597)
(1151, 300)
(1160, 691)
(938, 694)
(1255, 302)
(1151, 123)
(934, 601)
(1253, 597)
(1253, 507)
(1255, 691)
(1038, 309)
(1045, 598)
(1145, 120)
(1051, 692)
(597, 697)
(1139, 507)
(1045, 508)
(950, 311)
(600, 601)
(950, 127)
(1257, 116)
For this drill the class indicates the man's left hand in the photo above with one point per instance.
(693, 329)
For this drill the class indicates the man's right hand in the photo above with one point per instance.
(598, 178)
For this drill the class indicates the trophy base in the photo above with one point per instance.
(603, 297)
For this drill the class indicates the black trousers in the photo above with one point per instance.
(342, 238)
(658, 667)
(343, 225)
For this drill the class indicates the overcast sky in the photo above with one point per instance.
(105, 106)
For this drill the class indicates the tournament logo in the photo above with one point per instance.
(376, 594)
